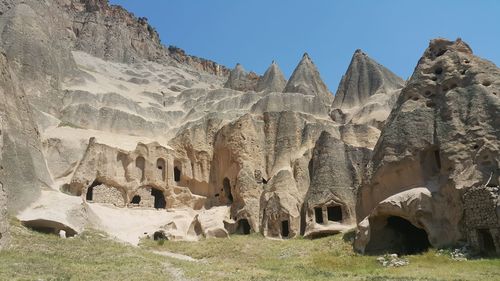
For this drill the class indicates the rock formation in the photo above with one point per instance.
(272, 80)
(147, 177)
(366, 93)
(440, 142)
(23, 165)
(306, 80)
(363, 79)
(240, 80)
(336, 171)
(104, 127)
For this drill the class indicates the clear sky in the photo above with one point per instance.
(254, 32)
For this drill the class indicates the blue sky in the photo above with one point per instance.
(253, 33)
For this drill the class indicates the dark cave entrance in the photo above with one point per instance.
(486, 242)
(136, 199)
(227, 189)
(90, 191)
(159, 235)
(396, 235)
(49, 227)
(177, 174)
(243, 227)
(160, 202)
(318, 214)
(285, 229)
(334, 213)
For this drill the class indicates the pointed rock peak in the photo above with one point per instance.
(363, 79)
(273, 79)
(306, 80)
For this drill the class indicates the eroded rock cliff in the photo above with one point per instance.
(440, 140)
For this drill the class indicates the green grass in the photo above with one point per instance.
(331, 258)
(90, 256)
(93, 256)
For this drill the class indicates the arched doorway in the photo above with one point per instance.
(243, 227)
(227, 190)
(90, 190)
(396, 235)
(486, 242)
(160, 164)
(177, 174)
(140, 164)
(136, 200)
(159, 197)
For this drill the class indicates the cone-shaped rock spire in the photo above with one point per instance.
(273, 79)
(241, 80)
(364, 78)
(307, 80)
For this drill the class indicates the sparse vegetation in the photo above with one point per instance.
(68, 124)
(94, 256)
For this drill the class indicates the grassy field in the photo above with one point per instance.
(93, 256)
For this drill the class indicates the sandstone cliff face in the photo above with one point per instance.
(110, 32)
(440, 140)
(199, 64)
(23, 165)
(260, 168)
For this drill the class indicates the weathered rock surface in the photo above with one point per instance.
(4, 223)
(440, 141)
(145, 177)
(273, 79)
(363, 79)
(23, 165)
(336, 171)
(306, 80)
(260, 168)
(240, 80)
(366, 93)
